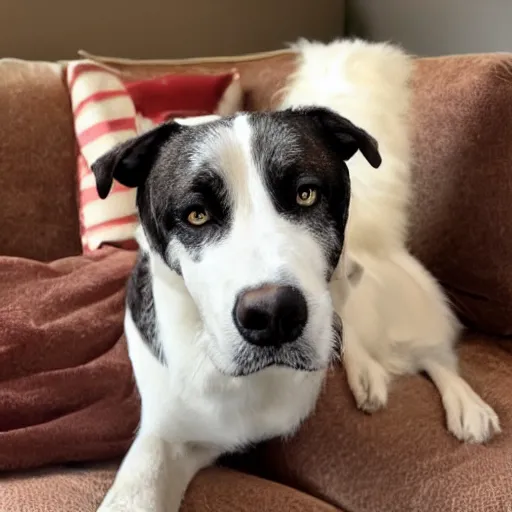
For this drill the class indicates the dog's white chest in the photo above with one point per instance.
(195, 403)
(268, 404)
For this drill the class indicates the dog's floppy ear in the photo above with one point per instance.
(130, 162)
(348, 137)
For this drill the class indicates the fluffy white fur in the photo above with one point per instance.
(367, 84)
(396, 319)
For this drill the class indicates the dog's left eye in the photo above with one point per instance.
(307, 195)
(198, 217)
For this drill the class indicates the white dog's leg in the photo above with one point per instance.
(468, 417)
(154, 476)
(367, 378)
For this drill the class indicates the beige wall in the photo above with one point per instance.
(56, 29)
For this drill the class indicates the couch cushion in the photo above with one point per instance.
(462, 212)
(222, 490)
(38, 208)
(262, 75)
(401, 458)
(67, 392)
(82, 489)
(61, 488)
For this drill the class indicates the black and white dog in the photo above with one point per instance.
(230, 319)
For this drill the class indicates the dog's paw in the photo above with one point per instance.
(468, 417)
(369, 382)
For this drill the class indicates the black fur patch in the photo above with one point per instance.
(140, 301)
(175, 187)
(337, 332)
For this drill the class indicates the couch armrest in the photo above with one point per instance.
(38, 209)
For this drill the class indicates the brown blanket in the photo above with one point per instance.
(66, 386)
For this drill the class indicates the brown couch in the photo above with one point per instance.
(66, 392)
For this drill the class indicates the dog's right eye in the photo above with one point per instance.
(307, 195)
(198, 217)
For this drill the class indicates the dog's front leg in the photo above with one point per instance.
(154, 476)
(368, 380)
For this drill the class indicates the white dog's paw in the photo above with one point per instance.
(468, 417)
(369, 382)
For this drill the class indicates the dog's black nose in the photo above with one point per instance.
(270, 314)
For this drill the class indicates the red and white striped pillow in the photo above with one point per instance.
(107, 111)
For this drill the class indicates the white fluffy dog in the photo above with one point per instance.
(396, 319)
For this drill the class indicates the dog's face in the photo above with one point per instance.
(251, 211)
